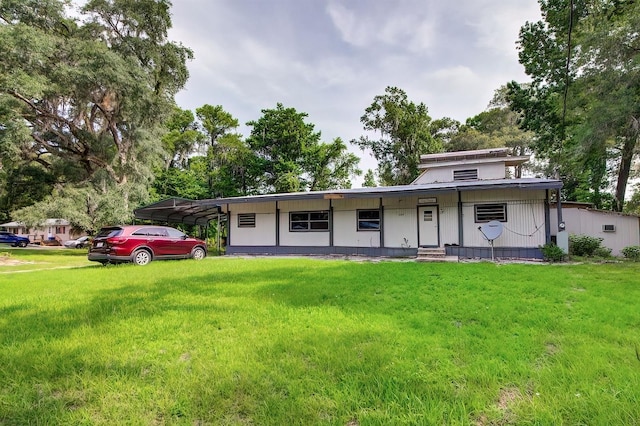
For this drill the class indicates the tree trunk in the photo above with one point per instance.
(626, 161)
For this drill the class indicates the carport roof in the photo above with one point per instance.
(180, 210)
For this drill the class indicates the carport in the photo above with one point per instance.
(181, 210)
(185, 211)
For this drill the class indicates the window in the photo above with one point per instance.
(489, 212)
(246, 220)
(608, 228)
(309, 221)
(368, 220)
(427, 216)
(468, 174)
(60, 229)
(151, 232)
(174, 233)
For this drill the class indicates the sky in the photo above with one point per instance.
(330, 58)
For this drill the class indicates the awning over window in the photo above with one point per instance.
(181, 210)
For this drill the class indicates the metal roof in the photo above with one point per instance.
(413, 189)
(180, 210)
(201, 212)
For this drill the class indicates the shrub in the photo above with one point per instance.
(631, 252)
(584, 245)
(552, 253)
(602, 252)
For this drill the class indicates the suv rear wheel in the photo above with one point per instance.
(141, 257)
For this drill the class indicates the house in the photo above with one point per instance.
(617, 230)
(57, 230)
(443, 210)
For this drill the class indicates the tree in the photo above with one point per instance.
(85, 97)
(330, 166)
(183, 182)
(583, 102)
(228, 156)
(404, 134)
(369, 180)
(182, 138)
(497, 126)
(231, 167)
(290, 156)
(215, 121)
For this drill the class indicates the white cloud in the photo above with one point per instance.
(329, 59)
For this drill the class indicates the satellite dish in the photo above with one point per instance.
(491, 230)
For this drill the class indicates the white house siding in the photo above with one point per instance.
(264, 233)
(345, 223)
(400, 227)
(448, 218)
(401, 222)
(312, 239)
(582, 221)
(525, 225)
(445, 174)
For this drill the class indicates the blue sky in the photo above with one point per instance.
(329, 58)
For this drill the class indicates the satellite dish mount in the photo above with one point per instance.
(491, 231)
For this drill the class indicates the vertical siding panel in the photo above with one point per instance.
(400, 227)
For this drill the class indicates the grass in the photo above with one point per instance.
(304, 341)
(41, 258)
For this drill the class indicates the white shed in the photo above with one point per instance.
(617, 230)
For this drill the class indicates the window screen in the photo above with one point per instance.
(489, 212)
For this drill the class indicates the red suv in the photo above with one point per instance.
(141, 244)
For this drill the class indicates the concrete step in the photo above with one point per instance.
(434, 254)
(431, 252)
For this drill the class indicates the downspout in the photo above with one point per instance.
(330, 223)
(460, 232)
(547, 219)
(381, 224)
(277, 225)
(228, 226)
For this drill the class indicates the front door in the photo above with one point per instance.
(428, 226)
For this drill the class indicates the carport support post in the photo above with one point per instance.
(218, 234)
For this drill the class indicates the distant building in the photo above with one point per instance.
(50, 232)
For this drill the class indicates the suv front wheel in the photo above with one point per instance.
(198, 253)
(141, 257)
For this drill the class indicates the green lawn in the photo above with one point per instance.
(41, 258)
(306, 341)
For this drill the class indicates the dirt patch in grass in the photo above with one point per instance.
(7, 260)
(507, 398)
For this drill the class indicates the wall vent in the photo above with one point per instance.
(608, 228)
(468, 174)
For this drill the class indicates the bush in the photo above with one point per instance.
(584, 245)
(552, 253)
(604, 252)
(632, 253)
